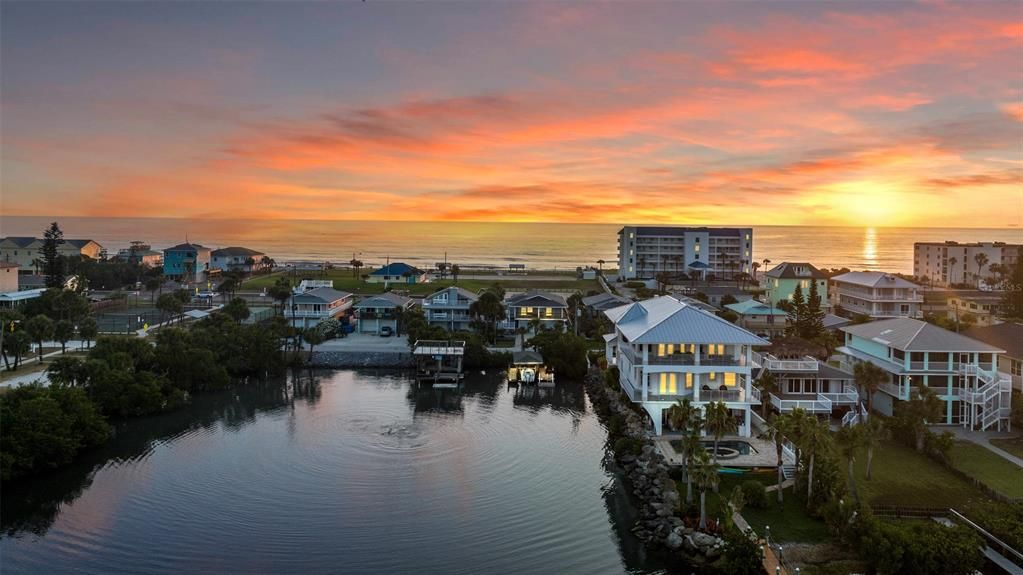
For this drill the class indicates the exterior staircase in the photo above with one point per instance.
(788, 471)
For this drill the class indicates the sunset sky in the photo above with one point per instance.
(878, 113)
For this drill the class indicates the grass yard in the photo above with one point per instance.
(344, 281)
(1013, 446)
(989, 468)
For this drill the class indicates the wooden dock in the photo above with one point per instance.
(439, 361)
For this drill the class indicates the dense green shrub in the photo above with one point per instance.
(755, 494)
(628, 446)
(45, 427)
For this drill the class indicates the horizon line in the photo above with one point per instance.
(633, 224)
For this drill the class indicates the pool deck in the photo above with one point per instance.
(765, 456)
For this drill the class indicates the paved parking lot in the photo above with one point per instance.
(366, 342)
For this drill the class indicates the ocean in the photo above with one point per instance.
(536, 245)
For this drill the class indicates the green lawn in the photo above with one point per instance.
(903, 477)
(1013, 446)
(989, 468)
(344, 281)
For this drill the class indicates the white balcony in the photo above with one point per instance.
(772, 363)
(814, 403)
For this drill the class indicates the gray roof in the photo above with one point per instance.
(663, 319)
(825, 371)
(526, 357)
(21, 241)
(604, 301)
(1008, 336)
(537, 299)
(325, 294)
(795, 270)
(910, 334)
(874, 279)
(386, 299)
(832, 321)
(187, 247)
(236, 251)
(461, 291)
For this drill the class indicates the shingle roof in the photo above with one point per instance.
(538, 299)
(754, 307)
(1008, 336)
(384, 300)
(236, 251)
(321, 294)
(397, 269)
(910, 334)
(20, 241)
(795, 270)
(664, 319)
(874, 279)
(78, 243)
(186, 246)
(604, 300)
(460, 290)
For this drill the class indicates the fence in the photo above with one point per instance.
(127, 321)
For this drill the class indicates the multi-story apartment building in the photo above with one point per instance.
(449, 308)
(645, 251)
(962, 371)
(666, 350)
(875, 294)
(24, 250)
(527, 309)
(780, 282)
(947, 263)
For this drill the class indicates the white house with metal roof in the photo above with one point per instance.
(876, 294)
(667, 350)
(962, 371)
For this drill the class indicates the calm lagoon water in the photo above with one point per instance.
(337, 472)
(537, 245)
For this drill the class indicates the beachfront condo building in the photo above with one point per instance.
(645, 251)
(666, 350)
(780, 282)
(449, 308)
(949, 263)
(875, 294)
(24, 251)
(962, 371)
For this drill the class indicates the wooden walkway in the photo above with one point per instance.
(772, 565)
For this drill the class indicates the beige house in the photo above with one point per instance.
(24, 250)
(8, 277)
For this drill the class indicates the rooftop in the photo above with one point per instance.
(665, 318)
(321, 294)
(398, 269)
(1008, 336)
(187, 246)
(236, 251)
(795, 270)
(874, 279)
(384, 300)
(537, 299)
(910, 334)
(754, 307)
(460, 290)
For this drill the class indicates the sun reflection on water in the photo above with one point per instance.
(870, 248)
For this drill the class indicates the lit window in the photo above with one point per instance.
(712, 376)
(669, 383)
(549, 312)
(689, 381)
(697, 249)
(730, 379)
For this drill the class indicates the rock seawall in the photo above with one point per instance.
(361, 359)
(660, 524)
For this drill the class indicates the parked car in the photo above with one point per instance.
(386, 331)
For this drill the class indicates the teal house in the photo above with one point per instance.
(962, 371)
(186, 262)
(780, 282)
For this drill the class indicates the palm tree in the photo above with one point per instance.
(681, 414)
(719, 422)
(313, 336)
(768, 384)
(642, 265)
(800, 419)
(849, 439)
(454, 272)
(755, 266)
(868, 379)
(874, 431)
(951, 264)
(600, 265)
(815, 439)
(691, 445)
(356, 266)
(706, 477)
(981, 259)
(678, 264)
(777, 429)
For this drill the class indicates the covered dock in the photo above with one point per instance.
(439, 361)
(528, 367)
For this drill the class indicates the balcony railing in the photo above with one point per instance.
(820, 404)
(772, 363)
(674, 359)
(721, 360)
(896, 391)
(844, 398)
(728, 395)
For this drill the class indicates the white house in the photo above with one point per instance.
(876, 294)
(235, 258)
(449, 308)
(961, 370)
(666, 350)
(308, 308)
